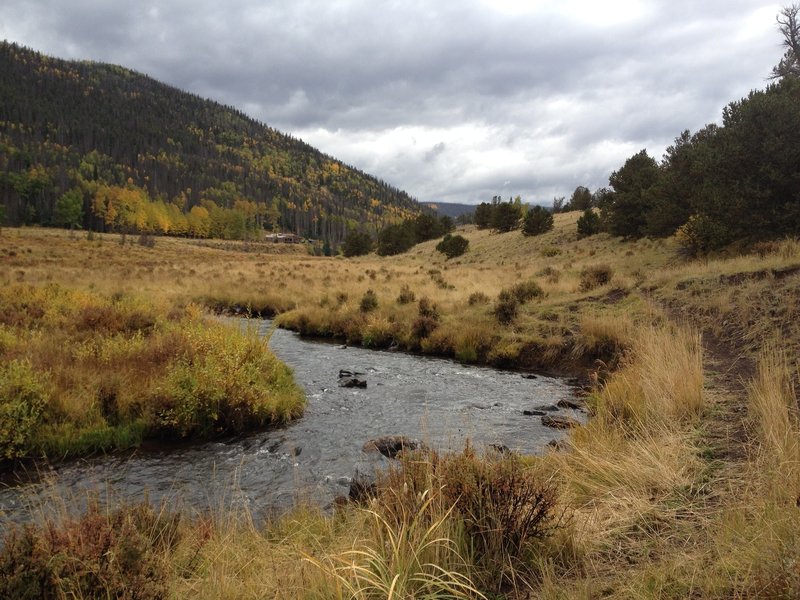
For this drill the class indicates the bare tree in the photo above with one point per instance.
(788, 24)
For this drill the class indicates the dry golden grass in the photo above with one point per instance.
(775, 419)
(628, 470)
(321, 295)
(649, 514)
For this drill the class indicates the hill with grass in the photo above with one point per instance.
(103, 147)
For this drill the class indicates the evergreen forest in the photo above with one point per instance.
(98, 146)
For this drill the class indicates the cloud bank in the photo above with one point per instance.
(453, 100)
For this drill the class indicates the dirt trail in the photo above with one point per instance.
(728, 373)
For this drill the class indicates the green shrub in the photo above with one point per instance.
(369, 302)
(427, 321)
(453, 245)
(23, 398)
(228, 383)
(478, 298)
(406, 295)
(539, 220)
(396, 239)
(509, 300)
(506, 307)
(357, 243)
(527, 290)
(701, 234)
(588, 223)
(594, 276)
(506, 216)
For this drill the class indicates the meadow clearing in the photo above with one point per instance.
(683, 484)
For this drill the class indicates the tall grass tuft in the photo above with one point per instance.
(660, 384)
(503, 508)
(634, 463)
(414, 555)
(775, 421)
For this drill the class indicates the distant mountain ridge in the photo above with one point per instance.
(450, 209)
(139, 154)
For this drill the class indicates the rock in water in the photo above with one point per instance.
(500, 448)
(557, 445)
(559, 422)
(352, 382)
(362, 488)
(573, 404)
(392, 445)
(349, 373)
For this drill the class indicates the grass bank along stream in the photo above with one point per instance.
(81, 373)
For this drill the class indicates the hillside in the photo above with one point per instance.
(134, 154)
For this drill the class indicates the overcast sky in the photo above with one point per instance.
(450, 100)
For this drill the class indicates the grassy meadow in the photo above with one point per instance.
(684, 483)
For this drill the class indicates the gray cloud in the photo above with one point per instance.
(452, 100)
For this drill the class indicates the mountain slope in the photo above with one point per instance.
(450, 209)
(115, 135)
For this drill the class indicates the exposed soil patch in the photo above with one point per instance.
(725, 432)
(612, 297)
(738, 278)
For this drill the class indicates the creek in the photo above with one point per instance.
(438, 401)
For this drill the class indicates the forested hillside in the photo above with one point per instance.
(102, 147)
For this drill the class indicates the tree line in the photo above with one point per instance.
(397, 238)
(503, 216)
(734, 182)
(737, 182)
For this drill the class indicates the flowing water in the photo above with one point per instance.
(440, 402)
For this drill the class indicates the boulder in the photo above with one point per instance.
(352, 382)
(392, 445)
(362, 488)
(557, 422)
(344, 373)
(574, 404)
